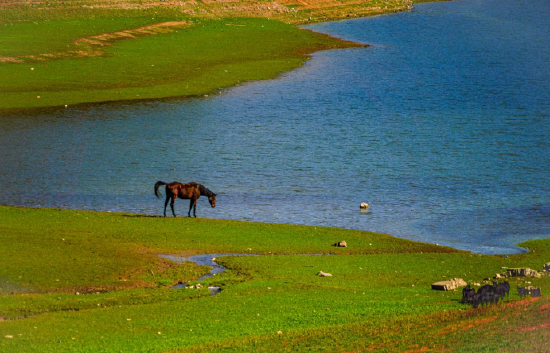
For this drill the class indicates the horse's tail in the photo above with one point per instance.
(157, 185)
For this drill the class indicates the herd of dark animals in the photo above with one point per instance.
(487, 294)
(190, 191)
(492, 293)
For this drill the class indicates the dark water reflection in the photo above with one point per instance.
(441, 126)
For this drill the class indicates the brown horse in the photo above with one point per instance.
(191, 191)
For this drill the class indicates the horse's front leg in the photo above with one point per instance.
(190, 207)
(172, 205)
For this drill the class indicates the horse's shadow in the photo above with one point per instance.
(141, 216)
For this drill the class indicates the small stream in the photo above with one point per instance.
(204, 260)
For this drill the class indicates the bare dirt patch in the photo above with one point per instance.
(290, 11)
(92, 46)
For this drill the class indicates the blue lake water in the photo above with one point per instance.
(442, 126)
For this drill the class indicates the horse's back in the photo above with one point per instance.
(185, 191)
(173, 188)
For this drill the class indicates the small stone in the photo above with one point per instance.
(323, 274)
(449, 285)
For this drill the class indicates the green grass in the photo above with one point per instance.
(201, 58)
(133, 240)
(35, 37)
(114, 293)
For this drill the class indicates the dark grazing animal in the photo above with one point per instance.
(523, 292)
(487, 298)
(535, 292)
(190, 191)
(468, 294)
(502, 289)
(476, 300)
(487, 288)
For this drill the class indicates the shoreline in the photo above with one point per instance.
(520, 250)
(346, 44)
(60, 98)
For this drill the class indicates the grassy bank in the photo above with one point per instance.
(59, 54)
(180, 58)
(90, 281)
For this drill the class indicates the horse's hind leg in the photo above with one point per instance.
(166, 204)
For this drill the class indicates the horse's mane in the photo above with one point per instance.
(204, 191)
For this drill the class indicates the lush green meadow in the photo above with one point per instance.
(88, 281)
(67, 61)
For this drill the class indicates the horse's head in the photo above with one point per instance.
(212, 200)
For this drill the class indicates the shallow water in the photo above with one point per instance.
(203, 260)
(441, 126)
